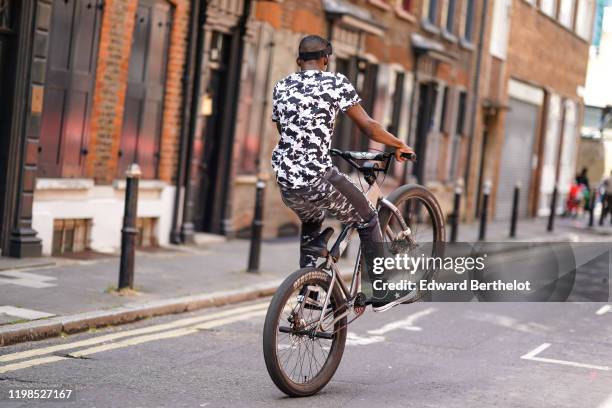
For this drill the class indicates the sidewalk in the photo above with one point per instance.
(535, 229)
(47, 296)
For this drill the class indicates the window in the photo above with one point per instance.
(461, 109)
(71, 235)
(584, 18)
(566, 13)
(432, 11)
(396, 109)
(455, 148)
(450, 15)
(397, 95)
(549, 7)
(444, 109)
(501, 26)
(468, 28)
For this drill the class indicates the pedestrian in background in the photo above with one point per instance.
(606, 201)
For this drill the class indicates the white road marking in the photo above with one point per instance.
(607, 403)
(27, 279)
(405, 324)
(507, 322)
(533, 353)
(603, 310)
(27, 314)
(353, 339)
(133, 341)
(144, 330)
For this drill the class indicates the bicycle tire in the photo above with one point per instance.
(409, 191)
(292, 283)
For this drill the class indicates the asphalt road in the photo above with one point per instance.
(420, 355)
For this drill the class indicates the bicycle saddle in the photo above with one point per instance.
(318, 245)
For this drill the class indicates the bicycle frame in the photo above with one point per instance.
(338, 248)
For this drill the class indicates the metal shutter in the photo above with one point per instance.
(516, 157)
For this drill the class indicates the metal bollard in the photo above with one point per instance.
(592, 201)
(604, 210)
(455, 217)
(553, 210)
(257, 228)
(129, 230)
(486, 191)
(515, 204)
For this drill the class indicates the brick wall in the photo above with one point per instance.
(292, 19)
(111, 84)
(544, 52)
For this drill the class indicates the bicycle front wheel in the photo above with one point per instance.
(301, 358)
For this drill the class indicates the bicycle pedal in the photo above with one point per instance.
(359, 303)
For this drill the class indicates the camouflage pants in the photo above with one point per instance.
(336, 193)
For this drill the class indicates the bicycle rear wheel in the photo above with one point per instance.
(300, 359)
(425, 232)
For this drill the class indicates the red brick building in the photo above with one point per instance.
(110, 94)
(183, 87)
(411, 62)
(531, 83)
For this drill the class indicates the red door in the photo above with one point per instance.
(142, 120)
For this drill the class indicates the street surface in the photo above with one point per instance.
(420, 355)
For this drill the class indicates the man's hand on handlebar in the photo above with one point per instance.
(404, 153)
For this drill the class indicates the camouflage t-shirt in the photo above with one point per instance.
(305, 104)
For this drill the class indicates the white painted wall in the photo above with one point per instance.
(80, 198)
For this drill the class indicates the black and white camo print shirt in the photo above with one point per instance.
(305, 104)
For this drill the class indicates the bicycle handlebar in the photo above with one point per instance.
(379, 156)
(386, 157)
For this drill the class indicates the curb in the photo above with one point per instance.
(132, 312)
(55, 326)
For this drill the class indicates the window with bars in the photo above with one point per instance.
(71, 235)
(146, 232)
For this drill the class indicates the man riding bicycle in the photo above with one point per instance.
(305, 107)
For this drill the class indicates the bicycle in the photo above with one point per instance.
(306, 324)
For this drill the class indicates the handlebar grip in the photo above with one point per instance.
(409, 156)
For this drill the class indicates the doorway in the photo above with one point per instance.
(209, 207)
(428, 92)
(144, 101)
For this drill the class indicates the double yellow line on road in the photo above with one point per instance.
(133, 337)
